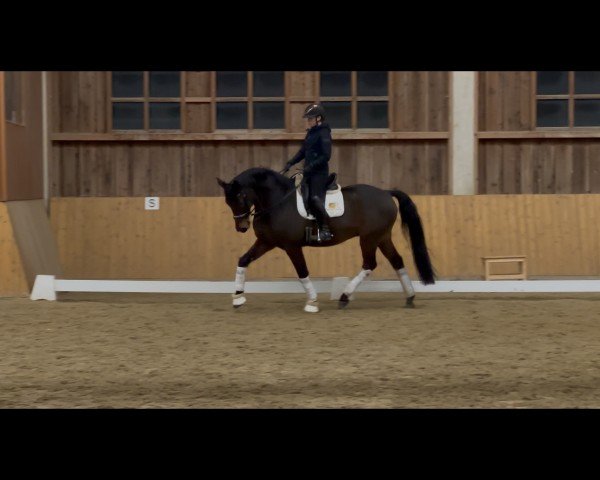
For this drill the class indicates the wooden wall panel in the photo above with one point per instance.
(198, 117)
(539, 166)
(504, 102)
(188, 168)
(303, 85)
(197, 84)
(117, 238)
(3, 172)
(273, 155)
(13, 281)
(420, 101)
(201, 167)
(79, 102)
(24, 143)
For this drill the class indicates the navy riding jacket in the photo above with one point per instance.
(316, 149)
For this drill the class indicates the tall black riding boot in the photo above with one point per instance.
(324, 234)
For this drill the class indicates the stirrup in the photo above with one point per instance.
(326, 232)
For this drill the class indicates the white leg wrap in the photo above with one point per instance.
(238, 300)
(406, 283)
(240, 279)
(311, 293)
(356, 281)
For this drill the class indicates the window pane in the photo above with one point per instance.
(587, 82)
(552, 83)
(232, 84)
(372, 114)
(372, 84)
(165, 116)
(128, 84)
(232, 115)
(552, 113)
(338, 114)
(268, 115)
(335, 84)
(587, 113)
(268, 84)
(128, 116)
(165, 84)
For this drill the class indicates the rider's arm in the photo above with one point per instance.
(298, 157)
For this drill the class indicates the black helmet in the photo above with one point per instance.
(313, 111)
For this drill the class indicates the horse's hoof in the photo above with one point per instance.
(344, 301)
(311, 307)
(410, 302)
(238, 300)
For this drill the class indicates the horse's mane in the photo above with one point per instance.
(260, 176)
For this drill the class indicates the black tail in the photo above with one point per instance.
(412, 222)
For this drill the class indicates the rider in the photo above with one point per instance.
(316, 150)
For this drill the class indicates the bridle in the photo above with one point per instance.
(249, 212)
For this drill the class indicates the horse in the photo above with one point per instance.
(370, 213)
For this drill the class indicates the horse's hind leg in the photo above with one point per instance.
(256, 251)
(368, 247)
(389, 251)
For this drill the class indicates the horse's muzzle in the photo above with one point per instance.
(242, 224)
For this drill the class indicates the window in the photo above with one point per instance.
(567, 99)
(13, 100)
(250, 100)
(146, 100)
(355, 100)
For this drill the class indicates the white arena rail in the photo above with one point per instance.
(46, 286)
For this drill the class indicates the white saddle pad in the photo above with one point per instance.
(334, 204)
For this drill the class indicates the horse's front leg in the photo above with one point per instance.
(297, 258)
(256, 251)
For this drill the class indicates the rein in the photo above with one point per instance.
(254, 213)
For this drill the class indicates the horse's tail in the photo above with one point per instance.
(412, 222)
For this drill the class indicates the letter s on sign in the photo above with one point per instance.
(152, 203)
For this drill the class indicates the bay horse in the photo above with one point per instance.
(369, 213)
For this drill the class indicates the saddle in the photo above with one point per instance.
(334, 200)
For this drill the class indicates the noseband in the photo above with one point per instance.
(248, 213)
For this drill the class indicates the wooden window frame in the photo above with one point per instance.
(146, 99)
(570, 96)
(212, 133)
(250, 99)
(354, 98)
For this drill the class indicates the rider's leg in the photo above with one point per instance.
(317, 191)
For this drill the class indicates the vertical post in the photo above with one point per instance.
(3, 170)
(463, 159)
(45, 139)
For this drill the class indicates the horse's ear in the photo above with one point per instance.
(221, 182)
